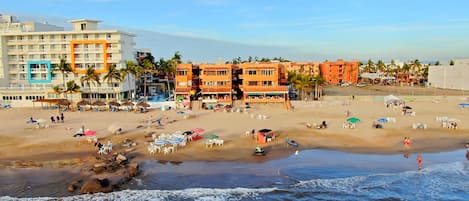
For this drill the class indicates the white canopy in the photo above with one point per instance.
(391, 99)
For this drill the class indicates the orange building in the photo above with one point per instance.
(216, 82)
(308, 68)
(261, 83)
(340, 71)
(183, 81)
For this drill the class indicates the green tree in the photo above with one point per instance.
(369, 67)
(72, 87)
(58, 90)
(90, 77)
(64, 68)
(302, 82)
(381, 66)
(437, 63)
(451, 63)
(113, 74)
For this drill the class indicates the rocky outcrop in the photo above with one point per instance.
(96, 186)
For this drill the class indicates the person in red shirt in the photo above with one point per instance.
(419, 161)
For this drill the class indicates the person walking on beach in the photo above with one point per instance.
(58, 119)
(407, 142)
(62, 117)
(52, 119)
(419, 161)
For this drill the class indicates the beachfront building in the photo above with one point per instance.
(261, 83)
(450, 76)
(307, 68)
(216, 83)
(29, 51)
(340, 71)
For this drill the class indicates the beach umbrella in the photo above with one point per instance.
(63, 102)
(383, 120)
(89, 133)
(353, 120)
(407, 107)
(99, 103)
(143, 104)
(114, 103)
(210, 136)
(198, 130)
(265, 130)
(464, 105)
(128, 103)
(84, 102)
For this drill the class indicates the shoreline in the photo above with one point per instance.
(54, 147)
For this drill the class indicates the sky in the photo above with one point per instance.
(317, 29)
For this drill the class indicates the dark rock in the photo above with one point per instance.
(99, 167)
(121, 159)
(96, 186)
(132, 170)
(71, 188)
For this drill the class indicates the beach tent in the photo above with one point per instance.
(210, 136)
(391, 99)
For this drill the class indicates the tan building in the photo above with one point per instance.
(308, 68)
(29, 50)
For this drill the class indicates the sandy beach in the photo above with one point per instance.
(56, 147)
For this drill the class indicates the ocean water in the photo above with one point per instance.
(310, 175)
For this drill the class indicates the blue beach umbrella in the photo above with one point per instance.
(383, 120)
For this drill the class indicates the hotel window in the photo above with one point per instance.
(252, 83)
(182, 84)
(210, 72)
(20, 47)
(85, 36)
(83, 26)
(96, 36)
(43, 56)
(41, 47)
(20, 37)
(64, 37)
(221, 72)
(41, 37)
(267, 72)
(108, 36)
(252, 72)
(267, 83)
(182, 72)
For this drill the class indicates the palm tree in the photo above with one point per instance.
(58, 89)
(370, 66)
(63, 67)
(318, 80)
(147, 66)
(72, 87)
(113, 74)
(302, 82)
(90, 77)
(381, 66)
(130, 69)
(451, 63)
(437, 63)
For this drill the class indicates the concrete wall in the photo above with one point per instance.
(450, 77)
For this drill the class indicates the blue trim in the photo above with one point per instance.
(49, 71)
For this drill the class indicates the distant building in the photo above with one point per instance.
(29, 50)
(450, 77)
(340, 71)
(308, 68)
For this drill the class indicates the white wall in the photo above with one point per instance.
(450, 77)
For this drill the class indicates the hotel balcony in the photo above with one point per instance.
(215, 89)
(93, 89)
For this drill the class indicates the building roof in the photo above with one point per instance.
(83, 20)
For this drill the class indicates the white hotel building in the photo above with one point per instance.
(29, 50)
